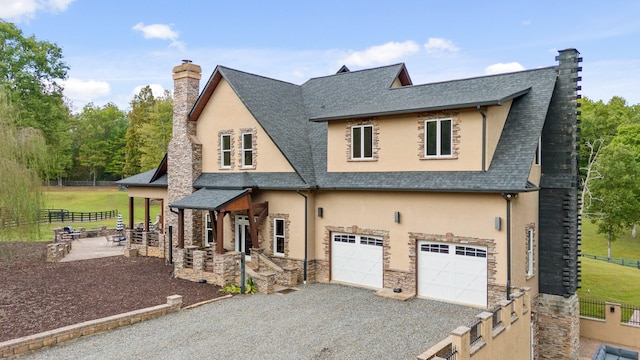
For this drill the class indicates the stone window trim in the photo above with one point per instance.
(450, 238)
(455, 134)
(373, 122)
(220, 152)
(354, 229)
(530, 254)
(272, 244)
(254, 150)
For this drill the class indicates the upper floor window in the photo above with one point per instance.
(362, 142)
(247, 149)
(225, 150)
(438, 138)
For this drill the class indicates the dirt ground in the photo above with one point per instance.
(37, 296)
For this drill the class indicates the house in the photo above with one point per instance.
(459, 191)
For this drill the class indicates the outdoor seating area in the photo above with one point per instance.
(606, 352)
(118, 239)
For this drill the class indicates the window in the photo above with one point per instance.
(530, 252)
(225, 150)
(435, 248)
(538, 156)
(362, 142)
(209, 239)
(366, 240)
(278, 237)
(247, 150)
(438, 138)
(351, 239)
(470, 251)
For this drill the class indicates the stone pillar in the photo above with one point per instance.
(559, 326)
(185, 151)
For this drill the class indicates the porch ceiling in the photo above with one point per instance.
(208, 199)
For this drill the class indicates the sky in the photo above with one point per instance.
(115, 47)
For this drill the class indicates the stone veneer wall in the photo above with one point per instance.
(185, 150)
(559, 326)
(226, 268)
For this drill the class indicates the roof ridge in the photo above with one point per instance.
(256, 75)
(354, 71)
(475, 77)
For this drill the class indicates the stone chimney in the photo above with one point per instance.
(559, 239)
(185, 151)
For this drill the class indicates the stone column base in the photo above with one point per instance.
(559, 327)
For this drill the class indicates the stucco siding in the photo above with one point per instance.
(225, 113)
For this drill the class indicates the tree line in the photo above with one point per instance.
(610, 165)
(42, 139)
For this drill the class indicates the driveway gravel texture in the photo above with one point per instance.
(319, 321)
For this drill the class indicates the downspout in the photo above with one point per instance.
(306, 229)
(508, 197)
(484, 138)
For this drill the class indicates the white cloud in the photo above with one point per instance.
(500, 68)
(85, 91)
(156, 89)
(381, 54)
(159, 31)
(18, 10)
(440, 45)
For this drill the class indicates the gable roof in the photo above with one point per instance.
(295, 118)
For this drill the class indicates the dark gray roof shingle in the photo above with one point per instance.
(295, 117)
(208, 199)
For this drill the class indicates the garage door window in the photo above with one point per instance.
(435, 248)
(365, 240)
(351, 239)
(469, 251)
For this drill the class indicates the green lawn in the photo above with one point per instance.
(606, 281)
(91, 199)
(611, 282)
(596, 244)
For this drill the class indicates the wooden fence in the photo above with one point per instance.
(60, 216)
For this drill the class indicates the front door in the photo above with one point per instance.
(243, 235)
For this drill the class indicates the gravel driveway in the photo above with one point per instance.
(319, 321)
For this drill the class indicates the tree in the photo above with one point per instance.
(31, 73)
(94, 134)
(616, 196)
(149, 132)
(23, 156)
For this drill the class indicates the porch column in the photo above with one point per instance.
(213, 222)
(253, 228)
(130, 213)
(146, 214)
(181, 228)
(162, 222)
(219, 232)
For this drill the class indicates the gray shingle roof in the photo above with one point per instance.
(208, 199)
(295, 118)
(144, 179)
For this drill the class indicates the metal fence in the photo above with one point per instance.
(618, 261)
(630, 314)
(448, 353)
(592, 308)
(475, 334)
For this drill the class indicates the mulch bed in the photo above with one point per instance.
(37, 296)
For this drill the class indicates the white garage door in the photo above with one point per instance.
(356, 259)
(455, 273)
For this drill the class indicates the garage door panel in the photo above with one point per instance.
(357, 260)
(452, 272)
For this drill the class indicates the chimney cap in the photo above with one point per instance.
(186, 61)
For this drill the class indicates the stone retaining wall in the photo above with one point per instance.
(57, 251)
(31, 343)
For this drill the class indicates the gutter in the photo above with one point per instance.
(484, 138)
(306, 237)
(508, 197)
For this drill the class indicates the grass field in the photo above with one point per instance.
(90, 199)
(606, 281)
(596, 244)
